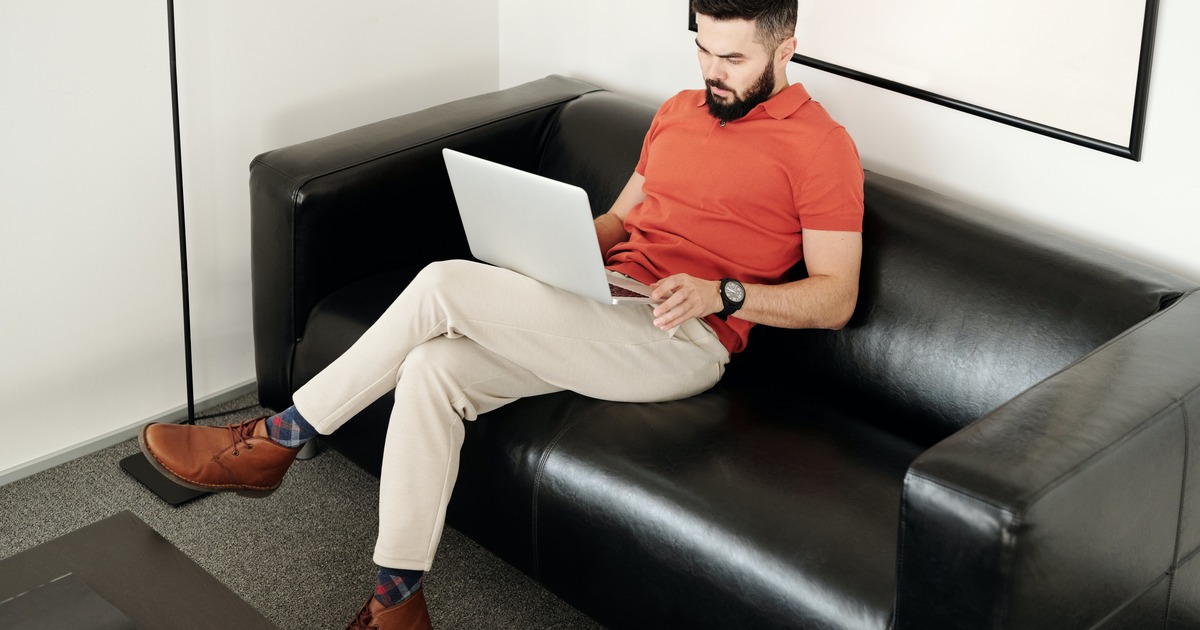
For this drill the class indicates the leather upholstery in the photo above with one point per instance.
(1001, 438)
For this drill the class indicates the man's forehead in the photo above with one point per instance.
(727, 38)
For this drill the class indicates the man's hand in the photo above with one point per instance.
(685, 297)
(825, 299)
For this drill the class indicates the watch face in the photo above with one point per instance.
(735, 291)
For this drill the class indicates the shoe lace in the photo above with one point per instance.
(364, 619)
(241, 434)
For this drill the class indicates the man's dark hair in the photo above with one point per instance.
(774, 20)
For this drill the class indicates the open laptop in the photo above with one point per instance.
(536, 226)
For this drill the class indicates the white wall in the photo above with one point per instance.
(90, 332)
(1149, 210)
(90, 329)
(259, 75)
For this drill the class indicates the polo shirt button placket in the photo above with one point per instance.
(722, 123)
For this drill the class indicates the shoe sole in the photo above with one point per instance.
(166, 472)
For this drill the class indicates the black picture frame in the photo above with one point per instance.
(1131, 150)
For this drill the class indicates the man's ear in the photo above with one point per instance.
(786, 49)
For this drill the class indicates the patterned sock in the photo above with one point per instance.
(397, 585)
(289, 428)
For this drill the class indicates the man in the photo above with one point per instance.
(734, 185)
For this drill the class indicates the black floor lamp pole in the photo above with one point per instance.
(137, 465)
(183, 266)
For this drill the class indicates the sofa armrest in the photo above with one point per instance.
(332, 211)
(1069, 502)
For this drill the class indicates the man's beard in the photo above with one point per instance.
(738, 107)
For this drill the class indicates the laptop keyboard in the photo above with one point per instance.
(617, 291)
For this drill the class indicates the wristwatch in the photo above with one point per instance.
(732, 296)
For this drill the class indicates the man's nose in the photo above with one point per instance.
(713, 71)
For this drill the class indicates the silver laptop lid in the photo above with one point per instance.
(531, 224)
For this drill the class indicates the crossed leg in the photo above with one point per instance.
(466, 338)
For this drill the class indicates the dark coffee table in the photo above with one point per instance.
(130, 566)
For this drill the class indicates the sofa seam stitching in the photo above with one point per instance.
(1179, 518)
(1158, 416)
(970, 494)
(1129, 602)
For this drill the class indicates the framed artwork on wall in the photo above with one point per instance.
(1074, 70)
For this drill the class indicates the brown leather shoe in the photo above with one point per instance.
(410, 614)
(235, 458)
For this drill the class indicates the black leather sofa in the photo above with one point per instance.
(1004, 436)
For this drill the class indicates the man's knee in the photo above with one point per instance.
(429, 360)
(444, 272)
(435, 372)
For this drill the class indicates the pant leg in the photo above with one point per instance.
(526, 339)
(443, 382)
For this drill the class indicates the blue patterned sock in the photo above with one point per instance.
(289, 428)
(397, 585)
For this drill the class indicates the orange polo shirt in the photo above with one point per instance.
(730, 199)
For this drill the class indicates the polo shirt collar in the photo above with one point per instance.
(780, 106)
(787, 101)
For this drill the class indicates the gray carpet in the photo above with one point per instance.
(301, 556)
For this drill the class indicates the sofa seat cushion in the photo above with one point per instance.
(712, 505)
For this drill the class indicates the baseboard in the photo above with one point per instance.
(117, 436)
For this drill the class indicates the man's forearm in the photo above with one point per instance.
(814, 302)
(610, 230)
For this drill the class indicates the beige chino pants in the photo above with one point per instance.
(466, 338)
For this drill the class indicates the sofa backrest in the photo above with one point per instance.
(595, 143)
(962, 309)
(959, 310)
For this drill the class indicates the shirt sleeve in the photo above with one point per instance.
(829, 194)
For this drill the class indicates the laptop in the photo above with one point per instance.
(536, 226)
